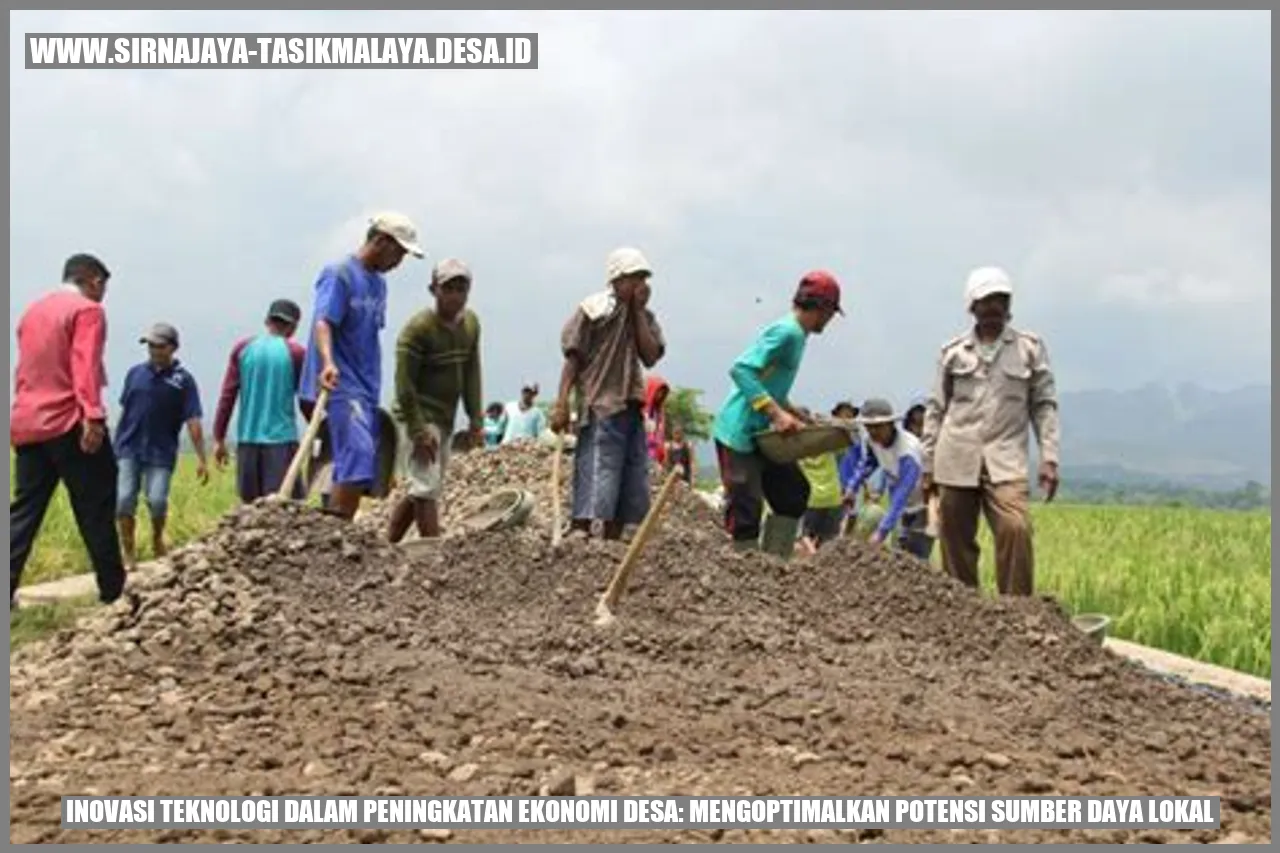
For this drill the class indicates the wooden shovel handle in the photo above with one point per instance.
(632, 556)
(304, 448)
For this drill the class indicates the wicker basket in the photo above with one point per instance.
(814, 440)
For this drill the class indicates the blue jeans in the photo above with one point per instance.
(611, 469)
(129, 481)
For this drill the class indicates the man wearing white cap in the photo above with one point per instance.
(993, 384)
(607, 342)
(345, 352)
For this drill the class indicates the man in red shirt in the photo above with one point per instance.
(58, 424)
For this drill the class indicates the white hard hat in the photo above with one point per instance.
(625, 262)
(984, 282)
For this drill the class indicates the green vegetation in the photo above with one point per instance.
(39, 620)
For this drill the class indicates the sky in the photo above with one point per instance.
(1116, 164)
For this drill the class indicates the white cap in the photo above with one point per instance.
(398, 227)
(625, 262)
(450, 268)
(985, 281)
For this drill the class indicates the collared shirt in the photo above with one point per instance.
(981, 409)
(600, 336)
(262, 374)
(353, 301)
(60, 374)
(766, 371)
(155, 404)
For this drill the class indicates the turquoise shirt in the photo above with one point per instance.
(262, 376)
(766, 371)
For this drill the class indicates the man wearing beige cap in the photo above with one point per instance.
(345, 353)
(437, 365)
(994, 386)
(608, 342)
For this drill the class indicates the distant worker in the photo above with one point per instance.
(345, 354)
(993, 384)
(524, 420)
(849, 462)
(159, 397)
(58, 425)
(679, 454)
(759, 399)
(655, 417)
(821, 521)
(608, 341)
(262, 375)
(896, 453)
(915, 537)
(437, 366)
(495, 424)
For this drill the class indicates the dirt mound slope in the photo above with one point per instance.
(290, 653)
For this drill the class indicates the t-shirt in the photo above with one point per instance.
(355, 306)
(523, 423)
(155, 404)
(493, 430)
(262, 374)
(766, 371)
(438, 365)
(901, 466)
(823, 474)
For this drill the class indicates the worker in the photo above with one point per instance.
(58, 425)
(262, 375)
(896, 453)
(993, 383)
(437, 365)
(608, 341)
(495, 424)
(762, 378)
(679, 454)
(849, 462)
(821, 521)
(915, 538)
(159, 397)
(344, 355)
(655, 417)
(524, 420)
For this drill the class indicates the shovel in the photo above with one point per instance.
(556, 522)
(604, 612)
(304, 448)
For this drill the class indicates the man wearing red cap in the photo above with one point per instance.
(762, 379)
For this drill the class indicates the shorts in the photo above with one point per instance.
(823, 525)
(749, 479)
(353, 435)
(611, 469)
(131, 474)
(426, 482)
(261, 468)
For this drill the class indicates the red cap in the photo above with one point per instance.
(822, 286)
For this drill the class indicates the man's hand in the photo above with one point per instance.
(559, 420)
(877, 538)
(329, 377)
(1049, 480)
(220, 454)
(640, 295)
(477, 436)
(785, 422)
(425, 448)
(927, 486)
(91, 435)
(202, 472)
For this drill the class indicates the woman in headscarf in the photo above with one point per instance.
(655, 417)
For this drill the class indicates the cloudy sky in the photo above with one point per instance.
(1117, 164)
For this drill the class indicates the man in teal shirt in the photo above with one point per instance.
(760, 398)
(262, 375)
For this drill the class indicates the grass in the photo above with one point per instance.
(1191, 581)
(39, 620)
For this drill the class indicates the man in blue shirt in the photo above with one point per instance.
(345, 353)
(762, 379)
(159, 396)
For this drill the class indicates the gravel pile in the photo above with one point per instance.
(291, 653)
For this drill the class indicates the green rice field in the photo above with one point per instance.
(1191, 581)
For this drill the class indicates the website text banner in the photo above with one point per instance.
(282, 50)
(307, 812)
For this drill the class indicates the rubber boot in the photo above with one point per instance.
(779, 536)
(744, 545)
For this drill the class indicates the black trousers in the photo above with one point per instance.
(749, 480)
(91, 485)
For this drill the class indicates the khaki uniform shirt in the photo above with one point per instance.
(981, 406)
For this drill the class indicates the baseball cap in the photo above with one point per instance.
(820, 286)
(398, 227)
(285, 310)
(626, 261)
(450, 268)
(160, 333)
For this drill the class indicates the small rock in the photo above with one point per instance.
(996, 760)
(801, 759)
(464, 773)
(315, 769)
(585, 786)
(562, 783)
(437, 760)
(440, 835)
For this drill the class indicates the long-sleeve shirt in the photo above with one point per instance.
(900, 462)
(262, 373)
(438, 364)
(60, 374)
(984, 403)
(764, 373)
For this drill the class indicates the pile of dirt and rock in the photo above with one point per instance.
(292, 653)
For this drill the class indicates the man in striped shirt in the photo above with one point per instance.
(262, 374)
(58, 424)
(437, 364)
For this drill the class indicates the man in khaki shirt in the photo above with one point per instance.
(993, 383)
